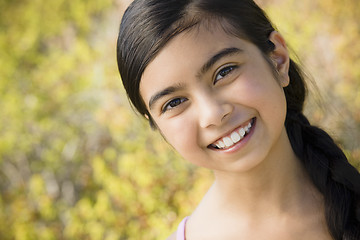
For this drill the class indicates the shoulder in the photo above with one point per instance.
(172, 236)
(180, 232)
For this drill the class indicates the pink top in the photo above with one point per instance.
(180, 233)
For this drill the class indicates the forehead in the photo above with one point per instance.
(201, 39)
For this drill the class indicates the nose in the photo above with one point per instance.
(213, 111)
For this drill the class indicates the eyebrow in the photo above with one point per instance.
(163, 93)
(219, 55)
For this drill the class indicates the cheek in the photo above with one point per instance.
(179, 133)
(263, 93)
(265, 90)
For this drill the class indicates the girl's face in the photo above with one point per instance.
(216, 100)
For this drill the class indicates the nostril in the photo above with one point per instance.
(223, 118)
(227, 110)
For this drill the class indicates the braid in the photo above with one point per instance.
(331, 173)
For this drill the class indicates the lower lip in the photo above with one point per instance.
(241, 143)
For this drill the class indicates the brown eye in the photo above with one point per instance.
(224, 72)
(173, 103)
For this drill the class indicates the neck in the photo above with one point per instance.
(278, 184)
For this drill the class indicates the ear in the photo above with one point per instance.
(151, 121)
(280, 57)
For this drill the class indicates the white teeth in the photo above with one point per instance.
(247, 128)
(228, 141)
(235, 137)
(242, 132)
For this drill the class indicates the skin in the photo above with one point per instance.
(260, 191)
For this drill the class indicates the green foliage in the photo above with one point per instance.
(75, 162)
(325, 35)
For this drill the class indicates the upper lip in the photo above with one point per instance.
(230, 131)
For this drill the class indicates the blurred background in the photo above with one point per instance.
(77, 163)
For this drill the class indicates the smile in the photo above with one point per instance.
(234, 137)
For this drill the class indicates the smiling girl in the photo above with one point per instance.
(215, 78)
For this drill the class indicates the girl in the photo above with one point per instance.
(215, 78)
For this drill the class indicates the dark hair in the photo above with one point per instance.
(148, 25)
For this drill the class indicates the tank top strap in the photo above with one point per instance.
(180, 233)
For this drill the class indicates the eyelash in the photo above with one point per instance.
(224, 72)
(177, 101)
